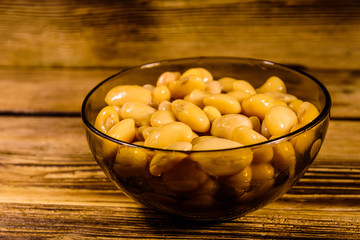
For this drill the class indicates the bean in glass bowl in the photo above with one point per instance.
(208, 138)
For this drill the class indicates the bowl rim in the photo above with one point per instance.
(322, 115)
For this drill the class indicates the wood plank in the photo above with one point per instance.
(61, 91)
(125, 222)
(47, 152)
(317, 34)
(47, 91)
(344, 88)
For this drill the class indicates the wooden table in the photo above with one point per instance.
(53, 53)
(51, 186)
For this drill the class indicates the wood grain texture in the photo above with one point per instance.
(61, 91)
(316, 34)
(129, 222)
(51, 188)
(54, 52)
(47, 91)
(344, 88)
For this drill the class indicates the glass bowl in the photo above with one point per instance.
(191, 189)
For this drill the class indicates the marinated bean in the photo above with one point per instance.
(307, 112)
(297, 126)
(138, 111)
(198, 139)
(255, 123)
(146, 130)
(261, 173)
(162, 117)
(279, 120)
(169, 133)
(130, 161)
(263, 154)
(184, 177)
(212, 113)
(196, 97)
(213, 87)
(265, 130)
(285, 97)
(239, 95)
(210, 187)
(295, 105)
(303, 142)
(150, 87)
(212, 143)
(200, 72)
(139, 143)
(242, 85)
(272, 84)
(123, 131)
(165, 105)
(280, 103)
(239, 182)
(180, 146)
(118, 110)
(223, 163)
(248, 136)
(160, 94)
(166, 78)
(315, 148)
(194, 135)
(227, 84)
(224, 126)
(224, 103)
(191, 114)
(185, 85)
(257, 105)
(157, 185)
(138, 133)
(284, 158)
(163, 162)
(106, 119)
(128, 93)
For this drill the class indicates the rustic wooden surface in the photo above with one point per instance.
(52, 54)
(50, 186)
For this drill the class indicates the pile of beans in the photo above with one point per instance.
(191, 111)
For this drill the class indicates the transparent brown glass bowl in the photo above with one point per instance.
(189, 190)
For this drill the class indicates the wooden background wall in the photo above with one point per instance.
(111, 33)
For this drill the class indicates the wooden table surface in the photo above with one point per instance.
(50, 185)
